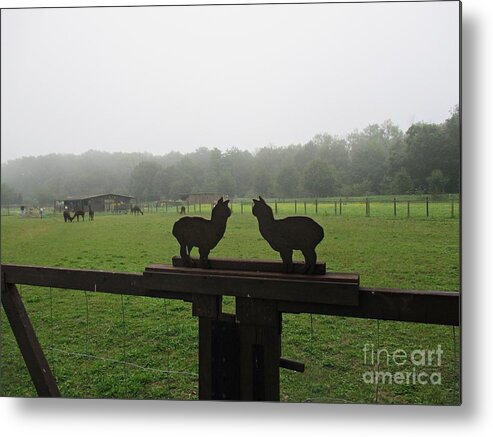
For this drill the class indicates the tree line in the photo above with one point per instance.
(380, 159)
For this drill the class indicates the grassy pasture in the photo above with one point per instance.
(159, 338)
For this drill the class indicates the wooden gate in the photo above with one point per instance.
(239, 354)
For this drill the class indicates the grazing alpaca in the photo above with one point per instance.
(285, 235)
(91, 214)
(202, 233)
(182, 211)
(66, 216)
(135, 210)
(79, 213)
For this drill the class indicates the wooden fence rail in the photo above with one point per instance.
(239, 354)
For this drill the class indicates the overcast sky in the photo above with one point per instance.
(158, 79)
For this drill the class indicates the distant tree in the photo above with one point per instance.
(335, 151)
(143, 181)
(401, 182)
(287, 181)
(9, 196)
(369, 154)
(44, 197)
(318, 179)
(451, 157)
(425, 151)
(226, 184)
(436, 182)
(262, 184)
(182, 185)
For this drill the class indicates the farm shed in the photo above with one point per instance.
(203, 198)
(100, 202)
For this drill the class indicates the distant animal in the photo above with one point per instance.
(91, 214)
(135, 210)
(202, 233)
(183, 210)
(79, 213)
(288, 234)
(66, 216)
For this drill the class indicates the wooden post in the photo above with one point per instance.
(241, 206)
(452, 209)
(408, 209)
(200, 207)
(166, 206)
(275, 205)
(29, 346)
(304, 203)
(207, 308)
(340, 206)
(188, 207)
(316, 206)
(395, 207)
(367, 207)
(295, 206)
(427, 209)
(335, 208)
(260, 349)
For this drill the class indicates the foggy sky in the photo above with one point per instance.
(158, 79)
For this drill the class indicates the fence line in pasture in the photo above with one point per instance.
(427, 206)
(348, 207)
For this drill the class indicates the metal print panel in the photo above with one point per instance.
(232, 202)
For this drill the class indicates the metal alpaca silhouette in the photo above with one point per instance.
(202, 233)
(288, 234)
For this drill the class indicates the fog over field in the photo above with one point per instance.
(159, 79)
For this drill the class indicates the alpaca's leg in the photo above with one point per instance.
(287, 260)
(185, 256)
(310, 260)
(204, 258)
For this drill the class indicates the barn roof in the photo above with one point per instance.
(99, 195)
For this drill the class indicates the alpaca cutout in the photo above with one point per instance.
(202, 233)
(288, 234)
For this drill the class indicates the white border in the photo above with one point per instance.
(138, 418)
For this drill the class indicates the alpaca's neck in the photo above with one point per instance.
(266, 221)
(219, 224)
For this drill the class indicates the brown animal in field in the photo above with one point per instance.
(79, 213)
(66, 216)
(288, 234)
(91, 214)
(135, 210)
(183, 210)
(202, 233)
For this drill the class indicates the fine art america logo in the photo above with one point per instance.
(418, 363)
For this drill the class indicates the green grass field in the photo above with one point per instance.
(88, 337)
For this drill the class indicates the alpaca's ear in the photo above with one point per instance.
(261, 199)
(220, 200)
(255, 200)
(226, 202)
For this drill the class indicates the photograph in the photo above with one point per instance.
(232, 202)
